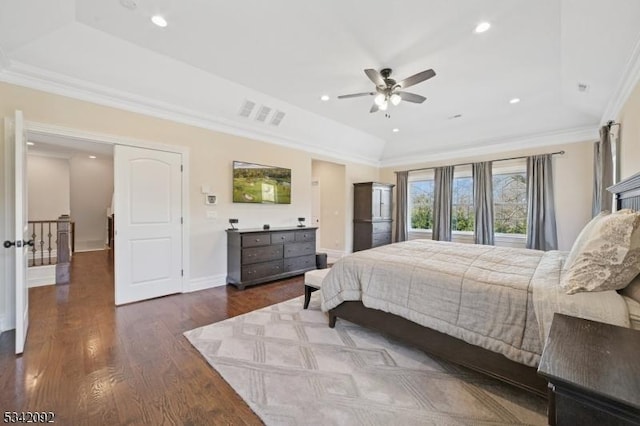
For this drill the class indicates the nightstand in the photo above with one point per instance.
(593, 371)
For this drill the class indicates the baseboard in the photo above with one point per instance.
(38, 276)
(90, 245)
(332, 255)
(203, 283)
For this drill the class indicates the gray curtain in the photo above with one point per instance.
(483, 202)
(402, 230)
(442, 204)
(602, 173)
(541, 212)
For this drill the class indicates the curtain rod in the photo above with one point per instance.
(466, 164)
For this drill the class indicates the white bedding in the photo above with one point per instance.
(498, 298)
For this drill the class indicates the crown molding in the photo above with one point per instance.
(21, 74)
(499, 146)
(627, 83)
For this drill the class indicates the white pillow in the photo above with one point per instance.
(582, 239)
(610, 257)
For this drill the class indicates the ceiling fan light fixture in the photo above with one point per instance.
(384, 106)
(380, 99)
(395, 99)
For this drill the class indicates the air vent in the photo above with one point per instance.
(262, 113)
(246, 109)
(277, 118)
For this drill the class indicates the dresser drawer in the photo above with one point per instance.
(299, 249)
(261, 254)
(252, 240)
(381, 239)
(283, 237)
(261, 270)
(298, 263)
(306, 235)
(381, 227)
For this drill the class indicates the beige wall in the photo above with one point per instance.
(48, 183)
(573, 175)
(91, 191)
(331, 180)
(211, 155)
(629, 120)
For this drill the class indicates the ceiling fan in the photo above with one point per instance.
(390, 91)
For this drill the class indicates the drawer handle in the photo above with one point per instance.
(257, 240)
(282, 238)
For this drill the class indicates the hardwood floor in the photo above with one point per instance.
(92, 363)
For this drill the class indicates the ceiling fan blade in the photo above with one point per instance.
(375, 76)
(374, 108)
(417, 78)
(356, 95)
(412, 97)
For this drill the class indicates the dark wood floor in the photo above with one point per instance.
(92, 363)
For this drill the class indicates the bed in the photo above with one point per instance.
(486, 308)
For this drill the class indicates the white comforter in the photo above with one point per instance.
(498, 298)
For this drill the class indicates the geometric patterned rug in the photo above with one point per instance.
(292, 369)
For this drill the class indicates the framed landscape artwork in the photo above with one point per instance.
(257, 183)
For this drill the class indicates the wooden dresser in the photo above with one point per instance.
(372, 208)
(256, 256)
(593, 371)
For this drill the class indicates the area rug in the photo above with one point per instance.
(292, 369)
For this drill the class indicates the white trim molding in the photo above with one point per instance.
(203, 283)
(500, 146)
(38, 276)
(25, 75)
(627, 83)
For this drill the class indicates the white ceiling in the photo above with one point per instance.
(286, 53)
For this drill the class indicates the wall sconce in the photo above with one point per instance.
(301, 222)
(231, 222)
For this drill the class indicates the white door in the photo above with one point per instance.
(148, 223)
(17, 233)
(316, 210)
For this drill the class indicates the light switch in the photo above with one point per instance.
(212, 214)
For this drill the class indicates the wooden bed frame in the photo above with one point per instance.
(627, 195)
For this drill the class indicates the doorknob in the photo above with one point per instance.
(28, 243)
(8, 243)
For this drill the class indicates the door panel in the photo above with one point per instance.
(17, 232)
(148, 228)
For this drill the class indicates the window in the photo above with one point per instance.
(462, 213)
(420, 207)
(510, 199)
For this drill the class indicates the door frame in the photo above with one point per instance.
(32, 127)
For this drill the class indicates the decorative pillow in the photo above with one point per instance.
(582, 239)
(609, 259)
(632, 291)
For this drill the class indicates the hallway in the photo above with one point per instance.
(90, 362)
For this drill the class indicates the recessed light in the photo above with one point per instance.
(30, 143)
(93, 157)
(159, 21)
(482, 27)
(324, 98)
(514, 101)
(396, 130)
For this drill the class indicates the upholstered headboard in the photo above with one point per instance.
(627, 193)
